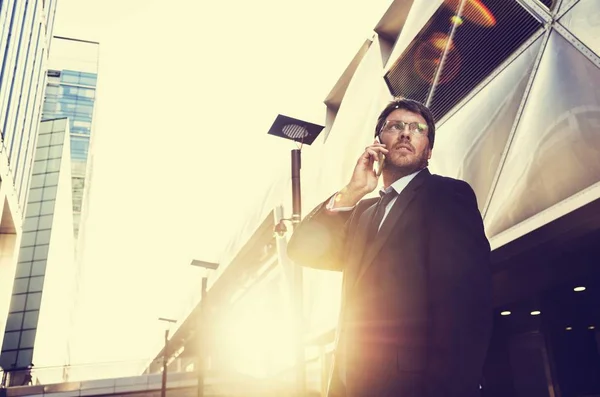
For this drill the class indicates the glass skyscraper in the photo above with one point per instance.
(71, 93)
(45, 281)
(25, 31)
(45, 288)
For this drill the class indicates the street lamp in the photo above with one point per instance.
(202, 321)
(302, 132)
(163, 388)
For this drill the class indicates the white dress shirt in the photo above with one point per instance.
(398, 186)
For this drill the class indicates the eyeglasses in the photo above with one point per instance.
(400, 126)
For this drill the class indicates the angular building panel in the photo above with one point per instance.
(470, 144)
(583, 20)
(554, 153)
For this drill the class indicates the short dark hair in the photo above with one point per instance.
(412, 106)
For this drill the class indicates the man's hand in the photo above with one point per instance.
(363, 180)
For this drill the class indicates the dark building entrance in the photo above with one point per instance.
(546, 340)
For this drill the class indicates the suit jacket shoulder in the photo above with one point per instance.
(446, 190)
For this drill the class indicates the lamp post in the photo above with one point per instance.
(302, 132)
(163, 388)
(202, 321)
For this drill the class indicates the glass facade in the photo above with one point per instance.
(26, 300)
(460, 45)
(565, 90)
(71, 93)
(470, 144)
(25, 29)
(583, 21)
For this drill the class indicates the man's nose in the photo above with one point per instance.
(405, 134)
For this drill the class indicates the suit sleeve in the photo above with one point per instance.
(318, 240)
(460, 293)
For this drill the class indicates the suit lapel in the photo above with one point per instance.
(357, 249)
(359, 241)
(394, 216)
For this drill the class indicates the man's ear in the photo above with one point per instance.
(429, 153)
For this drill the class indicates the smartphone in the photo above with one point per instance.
(378, 165)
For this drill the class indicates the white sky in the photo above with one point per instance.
(187, 91)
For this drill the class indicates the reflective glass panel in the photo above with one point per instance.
(41, 153)
(36, 284)
(8, 358)
(39, 166)
(24, 357)
(23, 269)
(57, 138)
(33, 209)
(566, 3)
(49, 193)
(20, 285)
(43, 140)
(43, 237)
(554, 153)
(486, 36)
(27, 339)
(41, 252)
(28, 239)
(583, 20)
(419, 14)
(11, 340)
(30, 223)
(55, 151)
(17, 303)
(414, 71)
(45, 222)
(31, 319)
(47, 207)
(26, 254)
(34, 301)
(470, 144)
(53, 165)
(37, 181)
(38, 268)
(35, 195)
(14, 320)
(457, 49)
(45, 128)
(52, 178)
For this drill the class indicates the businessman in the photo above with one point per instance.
(416, 310)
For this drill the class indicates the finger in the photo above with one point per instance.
(378, 143)
(373, 154)
(381, 149)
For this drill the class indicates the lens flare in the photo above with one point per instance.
(456, 20)
(428, 58)
(474, 11)
(441, 40)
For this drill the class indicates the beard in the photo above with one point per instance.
(398, 165)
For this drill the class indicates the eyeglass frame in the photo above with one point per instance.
(414, 128)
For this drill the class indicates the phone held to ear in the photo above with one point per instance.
(378, 165)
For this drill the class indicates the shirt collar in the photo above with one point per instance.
(401, 183)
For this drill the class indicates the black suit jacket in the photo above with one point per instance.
(416, 310)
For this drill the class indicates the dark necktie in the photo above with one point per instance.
(383, 202)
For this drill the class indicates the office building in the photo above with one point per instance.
(43, 293)
(515, 89)
(71, 92)
(62, 155)
(25, 31)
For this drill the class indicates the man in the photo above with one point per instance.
(416, 309)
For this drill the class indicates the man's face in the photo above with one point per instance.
(408, 151)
